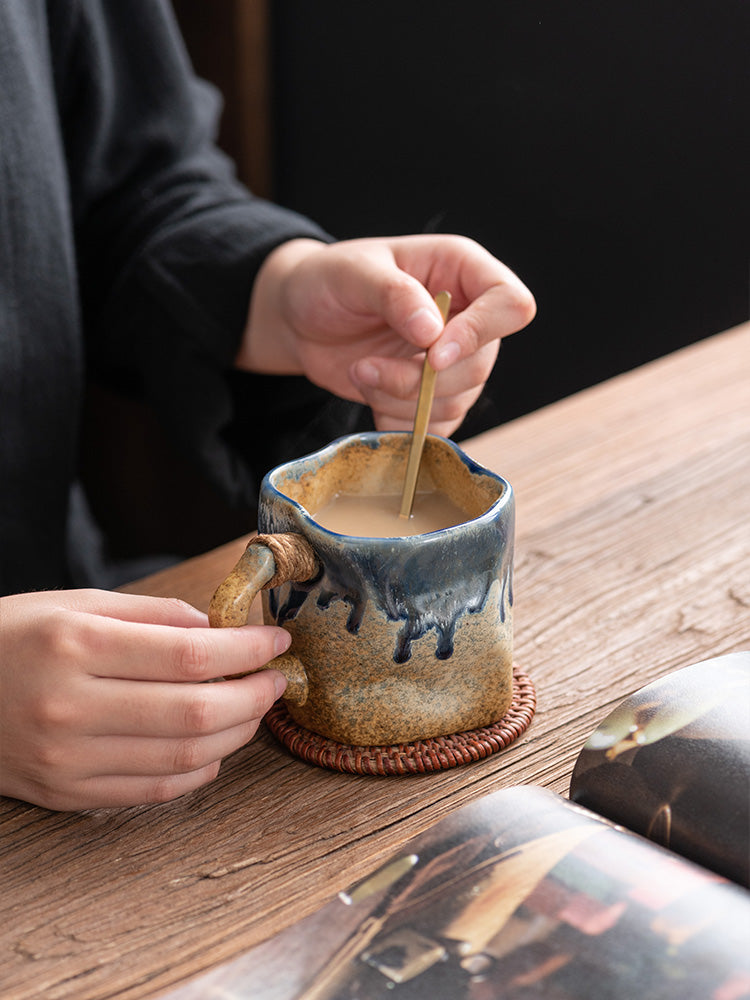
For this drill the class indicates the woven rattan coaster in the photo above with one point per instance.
(421, 757)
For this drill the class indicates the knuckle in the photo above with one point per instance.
(167, 787)
(59, 801)
(450, 411)
(473, 336)
(405, 384)
(56, 798)
(454, 410)
(48, 756)
(201, 714)
(163, 789)
(397, 295)
(396, 285)
(401, 379)
(468, 245)
(187, 756)
(56, 639)
(52, 713)
(192, 655)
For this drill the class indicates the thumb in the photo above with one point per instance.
(417, 318)
(400, 300)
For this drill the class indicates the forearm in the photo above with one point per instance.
(168, 242)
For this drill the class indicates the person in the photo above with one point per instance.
(129, 251)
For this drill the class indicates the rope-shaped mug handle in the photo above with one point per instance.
(268, 561)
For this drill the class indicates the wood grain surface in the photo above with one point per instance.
(632, 559)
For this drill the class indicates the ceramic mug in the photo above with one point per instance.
(393, 639)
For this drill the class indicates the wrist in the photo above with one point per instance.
(269, 341)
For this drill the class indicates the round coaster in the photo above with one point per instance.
(420, 757)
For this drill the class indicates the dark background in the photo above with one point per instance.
(599, 149)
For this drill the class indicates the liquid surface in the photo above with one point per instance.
(377, 516)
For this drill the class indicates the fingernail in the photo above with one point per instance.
(367, 373)
(423, 326)
(282, 641)
(447, 354)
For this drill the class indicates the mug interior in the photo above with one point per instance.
(375, 463)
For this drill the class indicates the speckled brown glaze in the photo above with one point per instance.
(400, 638)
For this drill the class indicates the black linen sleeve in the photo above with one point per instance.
(169, 244)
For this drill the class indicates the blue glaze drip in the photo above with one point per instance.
(405, 589)
(401, 578)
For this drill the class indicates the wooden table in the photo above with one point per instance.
(633, 559)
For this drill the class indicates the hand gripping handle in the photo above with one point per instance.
(268, 560)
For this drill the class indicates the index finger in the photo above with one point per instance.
(489, 301)
(500, 310)
(146, 651)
